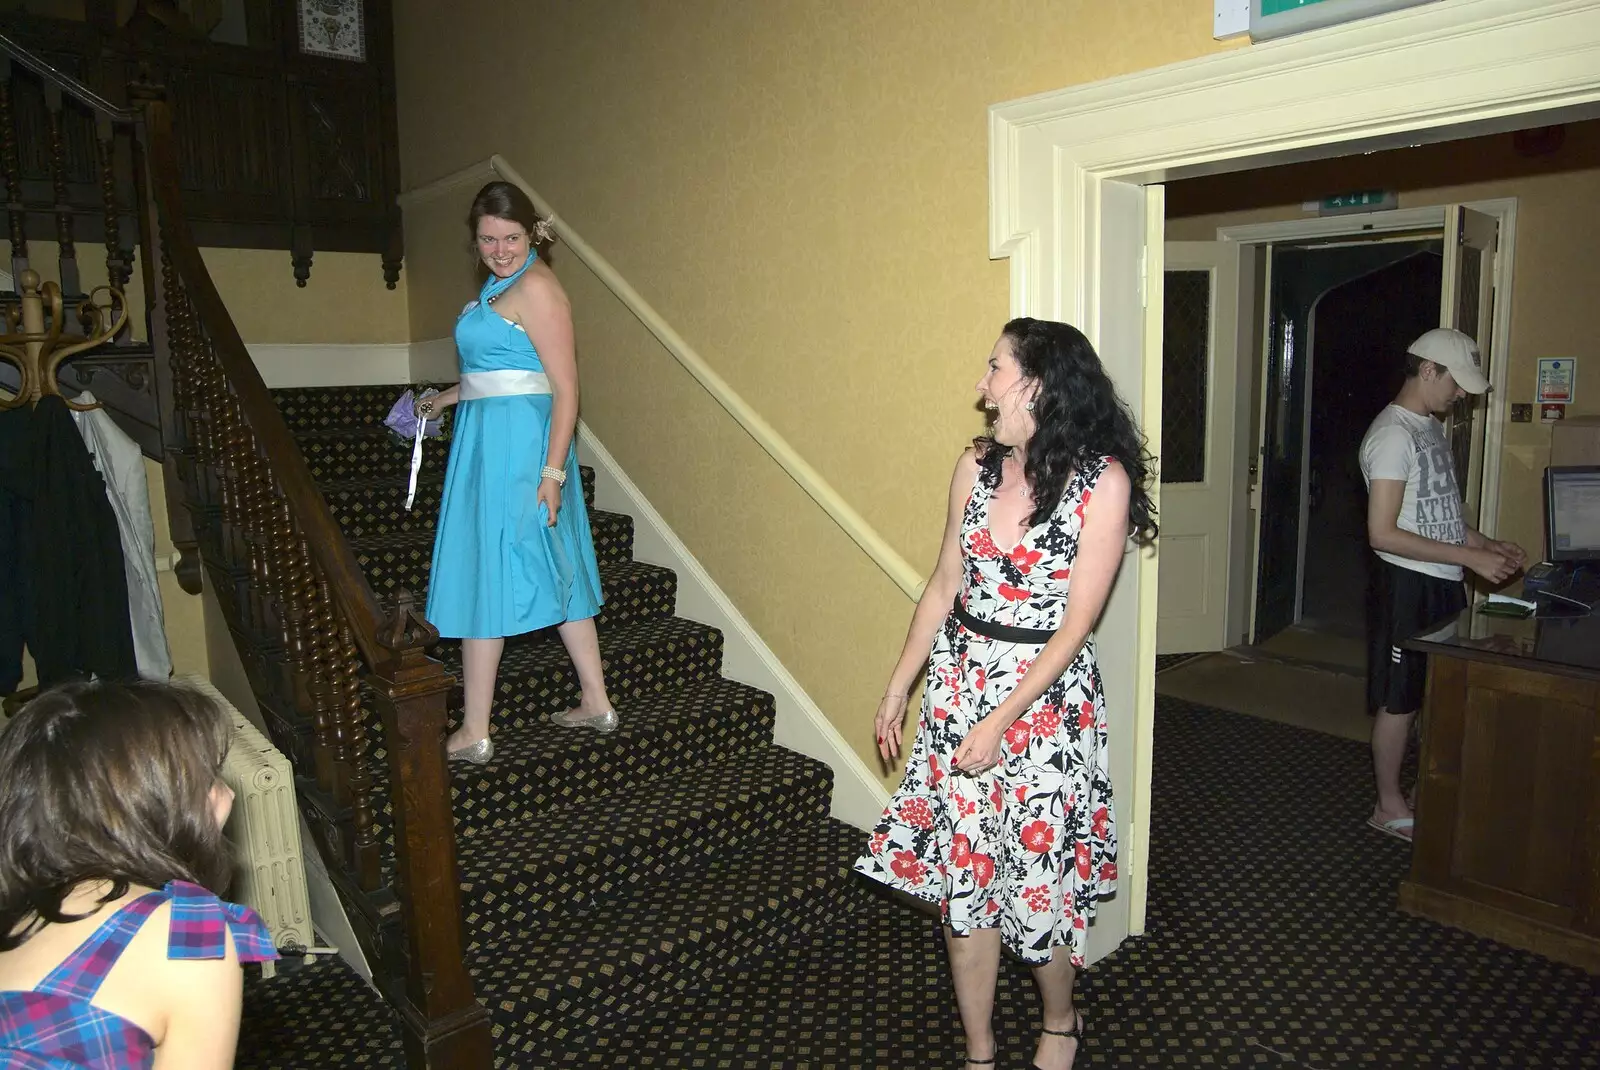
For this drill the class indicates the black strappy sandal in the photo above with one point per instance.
(982, 1062)
(1075, 1033)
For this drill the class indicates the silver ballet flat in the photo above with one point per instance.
(477, 753)
(605, 722)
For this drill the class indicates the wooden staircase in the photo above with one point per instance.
(599, 874)
(509, 912)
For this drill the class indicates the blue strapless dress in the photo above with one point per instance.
(499, 568)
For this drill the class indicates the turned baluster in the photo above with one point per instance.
(188, 379)
(254, 481)
(227, 433)
(119, 264)
(269, 547)
(11, 159)
(58, 184)
(320, 684)
(296, 578)
(326, 638)
(367, 859)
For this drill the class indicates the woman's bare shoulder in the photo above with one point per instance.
(539, 288)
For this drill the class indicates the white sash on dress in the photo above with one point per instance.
(505, 382)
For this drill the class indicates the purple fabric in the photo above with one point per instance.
(402, 418)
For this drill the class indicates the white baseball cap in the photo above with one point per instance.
(1456, 353)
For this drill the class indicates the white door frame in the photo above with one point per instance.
(1067, 210)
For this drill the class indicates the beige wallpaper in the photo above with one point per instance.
(344, 301)
(801, 189)
(1554, 270)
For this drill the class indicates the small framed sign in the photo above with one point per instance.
(1279, 18)
(1557, 379)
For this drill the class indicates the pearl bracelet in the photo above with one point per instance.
(557, 474)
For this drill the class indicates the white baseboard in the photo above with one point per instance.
(350, 364)
(858, 795)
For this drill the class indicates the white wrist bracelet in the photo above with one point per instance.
(554, 473)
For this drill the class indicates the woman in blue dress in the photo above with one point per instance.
(513, 552)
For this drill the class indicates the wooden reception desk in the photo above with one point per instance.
(1507, 840)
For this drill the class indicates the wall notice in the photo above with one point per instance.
(1556, 375)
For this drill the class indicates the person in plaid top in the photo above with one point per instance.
(114, 953)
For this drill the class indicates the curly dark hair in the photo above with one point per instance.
(107, 782)
(1079, 417)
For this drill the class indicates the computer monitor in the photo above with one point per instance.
(1572, 512)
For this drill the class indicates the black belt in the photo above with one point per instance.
(1004, 632)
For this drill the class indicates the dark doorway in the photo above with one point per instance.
(1360, 331)
(1302, 276)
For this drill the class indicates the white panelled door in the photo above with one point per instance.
(1198, 484)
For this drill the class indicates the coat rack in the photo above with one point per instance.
(36, 341)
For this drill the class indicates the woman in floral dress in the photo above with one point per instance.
(1005, 817)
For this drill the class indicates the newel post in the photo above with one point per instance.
(446, 1028)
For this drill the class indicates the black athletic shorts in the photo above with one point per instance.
(1403, 603)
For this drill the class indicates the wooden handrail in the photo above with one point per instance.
(444, 1027)
(320, 652)
(65, 82)
(349, 584)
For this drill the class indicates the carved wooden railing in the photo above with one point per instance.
(319, 652)
(67, 164)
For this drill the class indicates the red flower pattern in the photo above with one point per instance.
(982, 543)
(1025, 559)
(1038, 837)
(1018, 734)
(917, 812)
(908, 867)
(946, 838)
(1046, 721)
(960, 851)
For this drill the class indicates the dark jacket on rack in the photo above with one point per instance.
(64, 542)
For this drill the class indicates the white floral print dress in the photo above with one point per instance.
(1030, 845)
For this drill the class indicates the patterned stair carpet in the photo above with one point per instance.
(1273, 941)
(675, 895)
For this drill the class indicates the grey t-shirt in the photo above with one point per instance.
(1408, 446)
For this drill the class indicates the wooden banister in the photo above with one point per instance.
(330, 625)
(338, 562)
(328, 665)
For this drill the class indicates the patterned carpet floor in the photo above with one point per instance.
(1272, 941)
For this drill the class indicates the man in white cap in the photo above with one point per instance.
(1415, 526)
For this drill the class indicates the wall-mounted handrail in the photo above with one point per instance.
(777, 447)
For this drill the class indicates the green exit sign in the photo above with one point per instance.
(1278, 7)
(1368, 199)
(1279, 18)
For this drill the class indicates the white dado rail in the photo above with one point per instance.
(809, 479)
